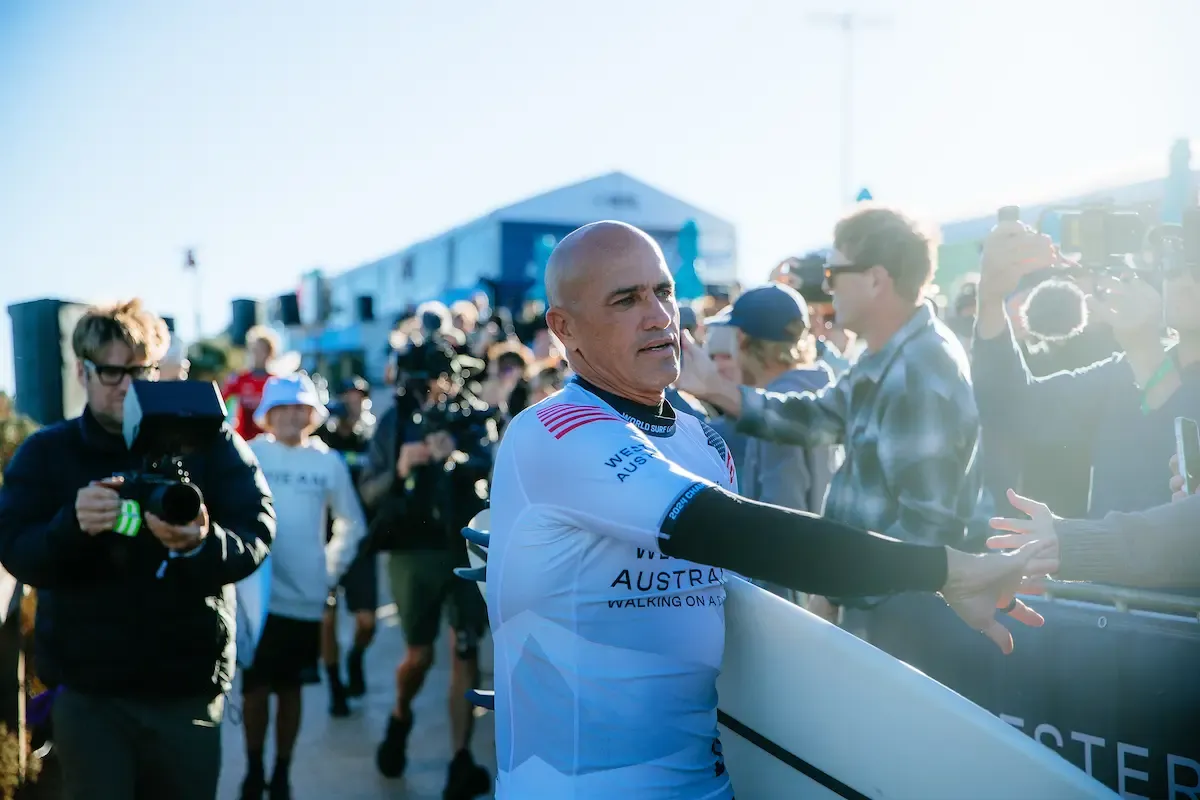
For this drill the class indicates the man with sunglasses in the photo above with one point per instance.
(137, 656)
(904, 411)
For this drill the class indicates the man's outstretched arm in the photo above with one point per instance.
(709, 525)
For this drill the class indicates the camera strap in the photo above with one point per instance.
(1170, 363)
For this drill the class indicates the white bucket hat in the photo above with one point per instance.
(290, 390)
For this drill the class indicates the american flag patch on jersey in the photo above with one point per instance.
(717, 443)
(563, 418)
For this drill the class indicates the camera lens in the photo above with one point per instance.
(176, 504)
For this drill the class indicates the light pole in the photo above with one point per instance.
(849, 23)
(190, 265)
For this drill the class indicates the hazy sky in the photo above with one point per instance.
(276, 137)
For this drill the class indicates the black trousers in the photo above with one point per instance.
(113, 748)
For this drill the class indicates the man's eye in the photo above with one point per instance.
(625, 302)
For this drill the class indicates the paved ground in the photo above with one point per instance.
(335, 758)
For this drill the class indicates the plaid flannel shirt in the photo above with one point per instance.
(907, 417)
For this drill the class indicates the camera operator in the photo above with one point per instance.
(1120, 408)
(399, 486)
(139, 655)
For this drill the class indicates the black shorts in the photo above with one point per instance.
(287, 656)
(360, 585)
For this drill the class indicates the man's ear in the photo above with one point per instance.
(561, 325)
(81, 373)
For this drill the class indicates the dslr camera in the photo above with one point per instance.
(470, 422)
(165, 422)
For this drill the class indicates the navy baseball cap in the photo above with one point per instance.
(765, 312)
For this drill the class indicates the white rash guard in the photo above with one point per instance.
(607, 652)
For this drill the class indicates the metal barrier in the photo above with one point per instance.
(1111, 682)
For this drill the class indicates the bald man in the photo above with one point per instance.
(614, 520)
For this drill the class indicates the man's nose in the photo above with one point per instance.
(661, 314)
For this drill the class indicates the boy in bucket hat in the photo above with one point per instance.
(309, 483)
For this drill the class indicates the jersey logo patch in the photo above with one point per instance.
(563, 418)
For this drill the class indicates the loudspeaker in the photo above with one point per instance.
(289, 309)
(366, 308)
(245, 317)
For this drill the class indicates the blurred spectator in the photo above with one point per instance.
(777, 352)
(175, 364)
(348, 433)
(14, 429)
(244, 389)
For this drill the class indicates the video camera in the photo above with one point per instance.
(165, 421)
(1108, 241)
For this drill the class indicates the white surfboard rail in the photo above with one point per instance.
(807, 710)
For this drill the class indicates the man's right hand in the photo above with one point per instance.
(412, 455)
(97, 505)
(1010, 252)
(1178, 486)
(700, 378)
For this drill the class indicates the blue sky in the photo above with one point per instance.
(277, 137)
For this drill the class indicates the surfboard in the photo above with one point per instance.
(807, 710)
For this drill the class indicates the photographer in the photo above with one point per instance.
(399, 486)
(137, 644)
(1120, 408)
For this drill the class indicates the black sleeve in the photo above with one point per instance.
(40, 540)
(241, 520)
(796, 549)
(378, 471)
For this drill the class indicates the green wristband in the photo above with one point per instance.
(129, 518)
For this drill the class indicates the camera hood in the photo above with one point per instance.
(168, 418)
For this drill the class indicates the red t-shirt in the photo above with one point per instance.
(247, 389)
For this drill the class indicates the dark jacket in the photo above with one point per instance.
(400, 514)
(105, 623)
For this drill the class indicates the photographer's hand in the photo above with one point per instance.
(1011, 251)
(180, 538)
(97, 506)
(412, 454)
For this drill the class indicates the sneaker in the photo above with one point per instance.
(253, 787)
(465, 779)
(392, 755)
(280, 788)
(357, 685)
(338, 707)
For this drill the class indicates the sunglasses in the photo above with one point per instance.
(833, 270)
(112, 375)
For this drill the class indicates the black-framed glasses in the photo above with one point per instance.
(113, 374)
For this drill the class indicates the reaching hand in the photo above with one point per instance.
(1038, 528)
(978, 585)
(698, 373)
